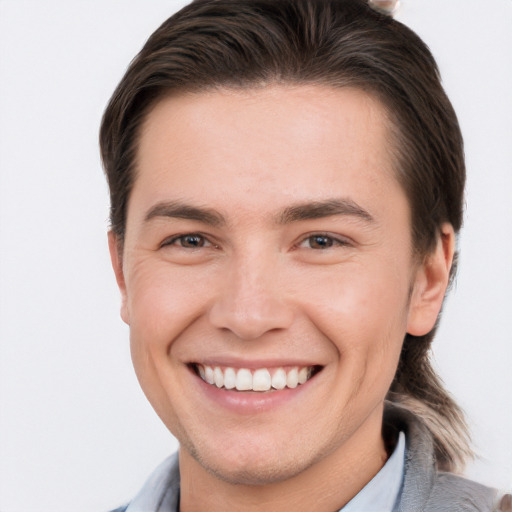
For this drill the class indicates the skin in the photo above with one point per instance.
(258, 288)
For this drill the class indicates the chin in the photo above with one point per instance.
(253, 464)
(253, 474)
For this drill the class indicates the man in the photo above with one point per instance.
(286, 185)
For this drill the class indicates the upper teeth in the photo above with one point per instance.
(262, 379)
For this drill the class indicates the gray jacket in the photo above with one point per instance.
(424, 488)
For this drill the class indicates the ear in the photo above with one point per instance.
(430, 284)
(116, 257)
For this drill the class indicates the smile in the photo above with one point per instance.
(260, 379)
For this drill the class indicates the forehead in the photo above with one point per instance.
(286, 142)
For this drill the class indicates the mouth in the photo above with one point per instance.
(258, 379)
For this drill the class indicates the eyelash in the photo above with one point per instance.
(330, 241)
(173, 241)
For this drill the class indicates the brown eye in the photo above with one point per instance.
(191, 241)
(320, 242)
(188, 241)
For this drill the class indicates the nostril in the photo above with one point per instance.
(250, 319)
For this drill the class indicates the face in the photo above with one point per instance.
(268, 275)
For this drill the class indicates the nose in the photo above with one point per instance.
(251, 300)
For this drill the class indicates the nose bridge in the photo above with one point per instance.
(251, 301)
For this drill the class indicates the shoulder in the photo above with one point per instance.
(160, 491)
(452, 493)
(427, 489)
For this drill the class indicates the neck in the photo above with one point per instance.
(326, 485)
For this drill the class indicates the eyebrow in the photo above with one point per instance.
(180, 210)
(320, 209)
(295, 213)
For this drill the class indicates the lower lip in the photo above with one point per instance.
(250, 402)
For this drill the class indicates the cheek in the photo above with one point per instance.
(358, 295)
(163, 303)
(163, 300)
(362, 312)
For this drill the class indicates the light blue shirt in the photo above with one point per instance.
(161, 490)
(382, 491)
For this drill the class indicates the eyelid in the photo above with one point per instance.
(171, 240)
(339, 240)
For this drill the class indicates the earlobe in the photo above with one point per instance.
(116, 257)
(430, 284)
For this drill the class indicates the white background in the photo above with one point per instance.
(76, 432)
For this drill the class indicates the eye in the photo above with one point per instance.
(322, 241)
(187, 241)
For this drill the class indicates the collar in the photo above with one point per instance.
(161, 491)
(381, 493)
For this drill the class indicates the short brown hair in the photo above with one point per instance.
(340, 43)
